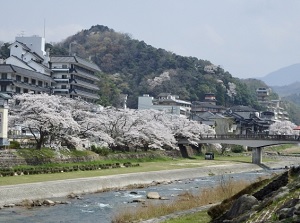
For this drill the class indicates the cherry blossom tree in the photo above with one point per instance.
(282, 128)
(42, 115)
(61, 120)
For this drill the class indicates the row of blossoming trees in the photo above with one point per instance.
(55, 121)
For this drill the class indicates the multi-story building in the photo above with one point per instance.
(166, 102)
(31, 69)
(262, 94)
(74, 77)
(271, 106)
(17, 80)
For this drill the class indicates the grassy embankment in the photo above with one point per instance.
(145, 165)
(186, 201)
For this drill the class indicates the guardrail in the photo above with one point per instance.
(252, 137)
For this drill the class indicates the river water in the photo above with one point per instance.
(101, 207)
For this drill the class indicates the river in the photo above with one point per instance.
(101, 207)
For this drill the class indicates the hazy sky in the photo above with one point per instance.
(248, 38)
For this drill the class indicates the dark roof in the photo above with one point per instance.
(74, 60)
(35, 54)
(197, 104)
(8, 68)
(242, 108)
(23, 62)
(5, 96)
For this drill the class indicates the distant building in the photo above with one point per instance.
(247, 120)
(208, 105)
(31, 69)
(272, 106)
(262, 94)
(165, 102)
(18, 80)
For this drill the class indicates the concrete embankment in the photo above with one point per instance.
(61, 188)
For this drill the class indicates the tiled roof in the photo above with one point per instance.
(23, 45)
(17, 58)
(198, 104)
(8, 68)
(74, 60)
(242, 108)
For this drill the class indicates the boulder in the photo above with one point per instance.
(138, 201)
(48, 202)
(9, 205)
(153, 195)
(241, 206)
(37, 203)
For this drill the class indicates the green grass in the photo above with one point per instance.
(198, 217)
(144, 167)
(34, 153)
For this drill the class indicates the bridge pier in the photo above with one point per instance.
(257, 155)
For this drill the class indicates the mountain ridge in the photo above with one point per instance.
(283, 76)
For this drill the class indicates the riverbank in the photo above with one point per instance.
(61, 188)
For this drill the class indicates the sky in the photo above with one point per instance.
(247, 38)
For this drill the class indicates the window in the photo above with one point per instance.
(40, 83)
(26, 79)
(33, 81)
(64, 66)
(18, 78)
(4, 76)
(64, 76)
(64, 86)
(25, 90)
(18, 90)
(3, 88)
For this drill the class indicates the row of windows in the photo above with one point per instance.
(33, 81)
(18, 89)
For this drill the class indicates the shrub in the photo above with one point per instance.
(102, 151)
(237, 149)
(14, 145)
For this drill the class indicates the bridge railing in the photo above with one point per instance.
(252, 136)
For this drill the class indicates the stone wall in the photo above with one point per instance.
(9, 159)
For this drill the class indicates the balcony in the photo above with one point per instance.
(58, 90)
(61, 80)
(85, 84)
(78, 92)
(60, 70)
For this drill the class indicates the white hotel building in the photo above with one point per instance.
(31, 69)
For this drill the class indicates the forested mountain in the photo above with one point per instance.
(134, 68)
(284, 76)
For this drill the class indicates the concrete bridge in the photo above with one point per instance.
(257, 142)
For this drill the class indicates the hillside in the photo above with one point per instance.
(134, 68)
(284, 76)
(287, 90)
